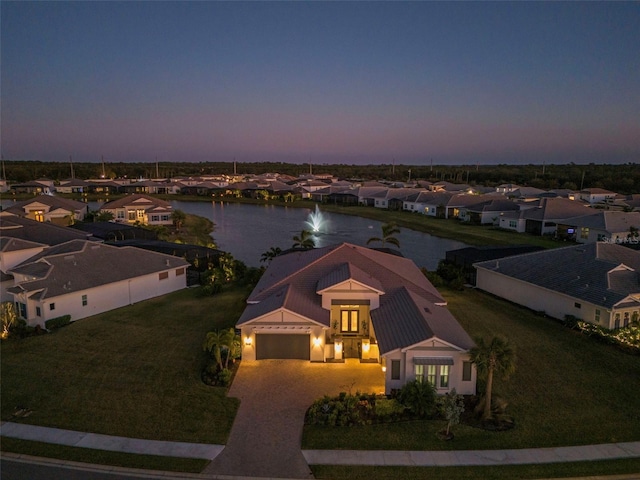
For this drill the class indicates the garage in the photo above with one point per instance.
(285, 346)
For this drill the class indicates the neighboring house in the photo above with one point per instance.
(37, 187)
(487, 211)
(598, 282)
(543, 216)
(113, 232)
(433, 204)
(597, 195)
(140, 209)
(72, 185)
(602, 226)
(14, 226)
(49, 208)
(81, 278)
(346, 301)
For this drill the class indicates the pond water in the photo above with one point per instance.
(247, 231)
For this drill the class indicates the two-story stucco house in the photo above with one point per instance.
(350, 302)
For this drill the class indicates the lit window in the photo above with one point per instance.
(431, 374)
(419, 373)
(349, 321)
(444, 376)
(120, 214)
(584, 233)
(597, 317)
(140, 214)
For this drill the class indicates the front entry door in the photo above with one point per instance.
(351, 348)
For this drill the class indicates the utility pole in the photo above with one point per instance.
(104, 174)
(157, 172)
(71, 165)
(544, 165)
(582, 181)
(431, 165)
(409, 175)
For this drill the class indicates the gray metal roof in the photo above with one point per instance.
(588, 272)
(408, 314)
(79, 265)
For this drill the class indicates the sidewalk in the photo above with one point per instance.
(331, 457)
(106, 442)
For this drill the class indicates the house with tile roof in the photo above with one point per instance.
(542, 217)
(597, 282)
(346, 301)
(139, 209)
(81, 278)
(49, 208)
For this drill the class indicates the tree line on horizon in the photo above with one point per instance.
(621, 178)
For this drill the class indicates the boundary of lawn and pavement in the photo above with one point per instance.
(332, 457)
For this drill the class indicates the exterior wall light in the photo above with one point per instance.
(247, 341)
(317, 341)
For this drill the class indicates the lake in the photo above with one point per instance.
(247, 231)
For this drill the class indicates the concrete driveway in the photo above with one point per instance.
(275, 394)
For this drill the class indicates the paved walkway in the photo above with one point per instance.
(605, 451)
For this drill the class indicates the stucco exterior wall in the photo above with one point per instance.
(430, 348)
(539, 299)
(101, 299)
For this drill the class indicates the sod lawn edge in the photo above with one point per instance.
(102, 457)
(531, 471)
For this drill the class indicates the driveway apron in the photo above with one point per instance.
(275, 394)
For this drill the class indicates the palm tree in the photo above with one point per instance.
(305, 240)
(496, 357)
(213, 344)
(178, 217)
(388, 231)
(8, 317)
(270, 254)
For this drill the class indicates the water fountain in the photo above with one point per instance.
(316, 220)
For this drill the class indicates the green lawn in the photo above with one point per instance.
(513, 472)
(133, 372)
(568, 389)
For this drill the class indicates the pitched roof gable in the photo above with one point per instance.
(345, 272)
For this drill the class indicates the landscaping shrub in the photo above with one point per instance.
(57, 322)
(419, 398)
(347, 410)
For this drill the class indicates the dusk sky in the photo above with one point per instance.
(334, 82)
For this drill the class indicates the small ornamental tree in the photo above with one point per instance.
(451, 407)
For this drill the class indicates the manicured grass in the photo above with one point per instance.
(554, 470)
(103, 457)
(568, 389)
(132, 372)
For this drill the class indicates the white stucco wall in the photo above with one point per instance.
(102, 299)
(540, 299)
(429, 348)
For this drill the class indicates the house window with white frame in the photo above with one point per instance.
(584, 233)
(431, 374)
(626, 319)
(132, 215)
(120, 214)
(444, 376)
(597, 316)
(466, 371)
(85, 301)
(419, 371)
(616, 323)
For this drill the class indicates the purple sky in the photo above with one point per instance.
(326, 82)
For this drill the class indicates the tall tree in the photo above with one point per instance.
(497, 357)
(388, 231)
(178, 217)
(304, 240)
